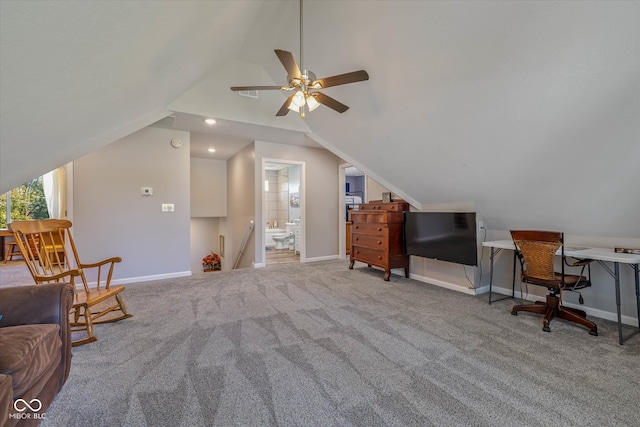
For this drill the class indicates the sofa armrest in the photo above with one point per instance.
(39, 304)
(6, 398)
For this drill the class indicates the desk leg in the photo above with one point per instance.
(491, 273)
(636, 268)
(513, 279)
(495, 252)
(616, 278)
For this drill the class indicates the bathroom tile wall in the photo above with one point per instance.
(277, 198)
(283, 197)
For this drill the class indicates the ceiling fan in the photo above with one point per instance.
(307, 95)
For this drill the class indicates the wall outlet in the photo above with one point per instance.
(167, 207)
(481, 225)
(146, 191)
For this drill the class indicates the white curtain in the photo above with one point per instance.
(54, 184)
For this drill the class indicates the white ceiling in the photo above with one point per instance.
(228, 137)
(526, 110)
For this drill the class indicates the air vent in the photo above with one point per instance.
(249, 93)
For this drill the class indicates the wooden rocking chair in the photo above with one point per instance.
(50, 253)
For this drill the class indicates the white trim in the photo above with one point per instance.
(447, 285)
(140, 279)
(322, 258)
(342, 227)
(259, 265)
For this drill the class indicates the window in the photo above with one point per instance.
(24, 202)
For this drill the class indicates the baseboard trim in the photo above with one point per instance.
(322, 258)
(140, 279)
(440, 283)
(602, 314)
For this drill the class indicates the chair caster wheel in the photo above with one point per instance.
(514, 313)
(546, 329)
(594, 333)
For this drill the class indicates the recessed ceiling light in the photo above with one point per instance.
(211, 150)
(210, 121)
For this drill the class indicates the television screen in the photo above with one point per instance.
(445, 236)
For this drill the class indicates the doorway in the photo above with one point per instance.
(283, 211)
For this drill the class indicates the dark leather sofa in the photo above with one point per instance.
(35, 350)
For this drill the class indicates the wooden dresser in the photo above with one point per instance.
(377, 236)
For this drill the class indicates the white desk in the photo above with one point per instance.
(601, 255)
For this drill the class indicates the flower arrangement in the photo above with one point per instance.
(211, 262)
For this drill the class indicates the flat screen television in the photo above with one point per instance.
(445, 236)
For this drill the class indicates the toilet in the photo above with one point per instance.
(285, 240)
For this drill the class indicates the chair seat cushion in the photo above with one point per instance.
(569, 280)
(27, 352)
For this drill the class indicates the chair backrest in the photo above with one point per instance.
(539, 250)
(48, 249)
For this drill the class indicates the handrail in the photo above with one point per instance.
(245, 239)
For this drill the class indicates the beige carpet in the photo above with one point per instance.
(317, 344)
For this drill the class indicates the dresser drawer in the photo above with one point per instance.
(390, 207)
(368, 228)
(369, 241)
(368, 216)
(369, 256)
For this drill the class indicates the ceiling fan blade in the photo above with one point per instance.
(330, 102)
(289, 63)
(237, 88)
(342, 79)
(285, 107)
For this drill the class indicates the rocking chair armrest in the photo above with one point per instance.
(56, 277)
(101, 263)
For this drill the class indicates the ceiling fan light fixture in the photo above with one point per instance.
(312, 103)
(298, 99)
(293, 107)
(302, 81)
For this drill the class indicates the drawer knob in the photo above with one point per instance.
(379, 242)
(357, 252)
(379, 257)
(379, 229)
(357, 226)
(356, 239)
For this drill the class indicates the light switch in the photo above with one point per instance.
(167, 207)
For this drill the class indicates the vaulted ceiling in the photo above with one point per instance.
(529, 111)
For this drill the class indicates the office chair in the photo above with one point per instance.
(537, 251)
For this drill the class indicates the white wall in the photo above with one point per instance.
(208, 188)
(112, 218)
(374, 189)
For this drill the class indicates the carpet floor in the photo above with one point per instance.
(317, 344)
